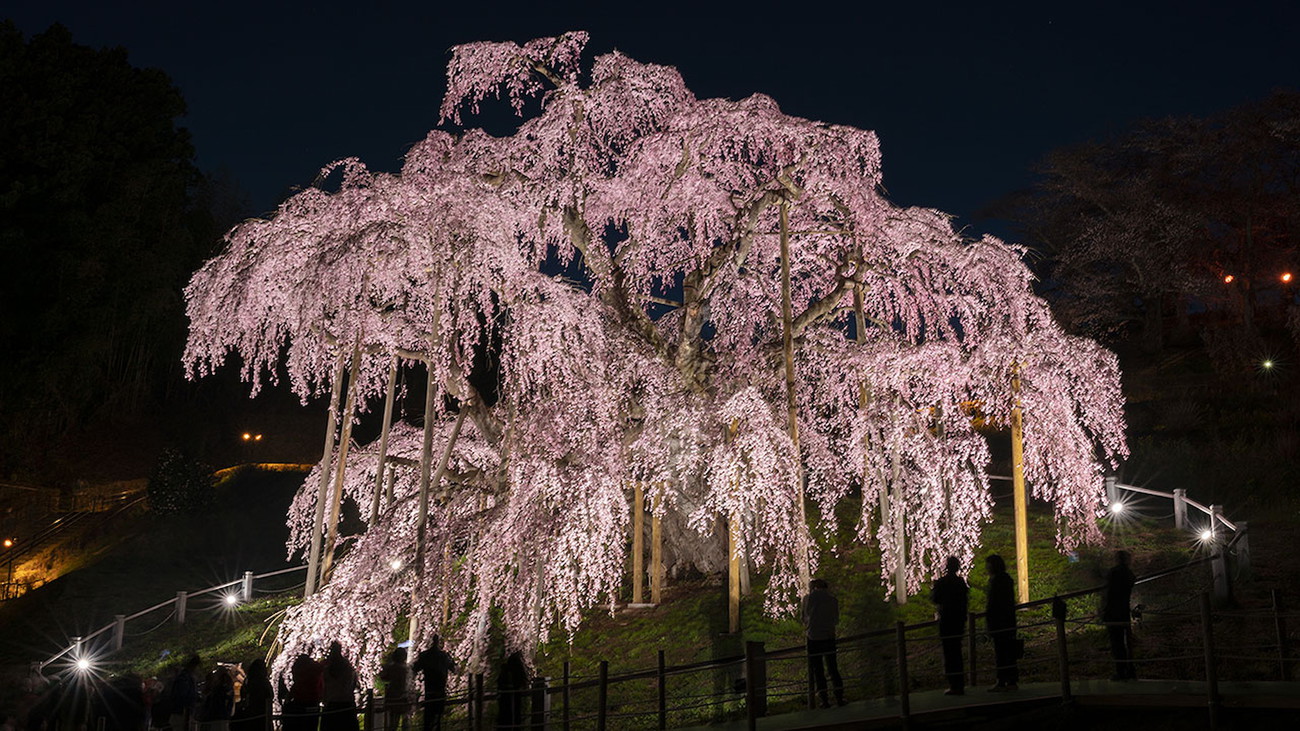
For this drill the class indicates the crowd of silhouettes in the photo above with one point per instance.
(321, 695)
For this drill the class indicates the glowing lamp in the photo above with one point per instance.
(1286, 277)
(1117, 507)
(1227, 278)
(1207, 535)
(1266, 365)
(257, 438)
(83, 664)
(231, 600)
(9, 543)
(247, 436)
(395, 564)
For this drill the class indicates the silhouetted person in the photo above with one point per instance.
(434, 665)
(340, 686)
(512, 683)
(1000, 620)
(1117, 615)
(218, 700)
(950, 596)
(300, 702)
(395, 675)
(184, 696)
(254, 699)
(820, 611)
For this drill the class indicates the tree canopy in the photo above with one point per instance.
(663, 363)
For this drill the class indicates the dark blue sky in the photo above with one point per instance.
(965, 96)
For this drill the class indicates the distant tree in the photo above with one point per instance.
(179, 484)
(98, 231)
(1139, 225)
(674, 361)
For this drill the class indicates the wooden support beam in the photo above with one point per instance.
(383, 442)
(656, 556)
(340, 468)
(638, 544)
(1018, 487)
(322, 496)
(733, 574)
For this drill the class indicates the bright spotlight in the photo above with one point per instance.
(1266, 365)
(83, 664)
(1228, 278)
(1286, 277)
(247, 436)
(395, 564)
(1117, 507)
(1207, 535)
(231, 600)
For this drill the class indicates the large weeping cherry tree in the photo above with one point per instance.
(756, 336)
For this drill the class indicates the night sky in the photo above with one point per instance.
(965, 96)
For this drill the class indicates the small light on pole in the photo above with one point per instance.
(1286, 277)
(1228, 279)
(231, 600)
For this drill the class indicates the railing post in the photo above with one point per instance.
(541, 707)
(602, 696)
(1211, 672)
(478, 701)
(1180, 508)
(246, 591)
(1219, 563)
(755, 683)
(1283, 650)
(368, 712)
(76, 648)
(119, 631)
(1112, 492)
(970, 643)
(267, 718)
(905, 705)
(564, 719)
(1059, 614)
(1242, 543)
(663, 694)
(181, 598)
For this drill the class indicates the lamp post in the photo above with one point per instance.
(9, 551)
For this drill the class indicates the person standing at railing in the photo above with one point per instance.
(820, 611)
(300, 702)
(1000, 620)
(951, 596)
(340, 692)
(1117, 614)
(434, 665)
(395, 675)
(184, 696)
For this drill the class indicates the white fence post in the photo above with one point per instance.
(180, 607)
(1180, 509)
(119, 631)
(1243, 548)
(1219, 566)
(246, 593)
(1112, 492)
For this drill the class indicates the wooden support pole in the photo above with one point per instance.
(246, 588)
(638, 544)
(322, 497)
(382, 458)
(656, 557)
(181, 599)
(1242, 546)
(340, 468)
(1018, 485)
(1112, 491)
(791, 400)
(1180, 508)
(426, 462)
(733, 576)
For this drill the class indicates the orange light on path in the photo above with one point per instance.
(9, 543)
(1227, 279)
(1286, 277)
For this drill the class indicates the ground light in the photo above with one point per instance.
(231, 600)
(83, 664)
(1207, 536)
(395, 564)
